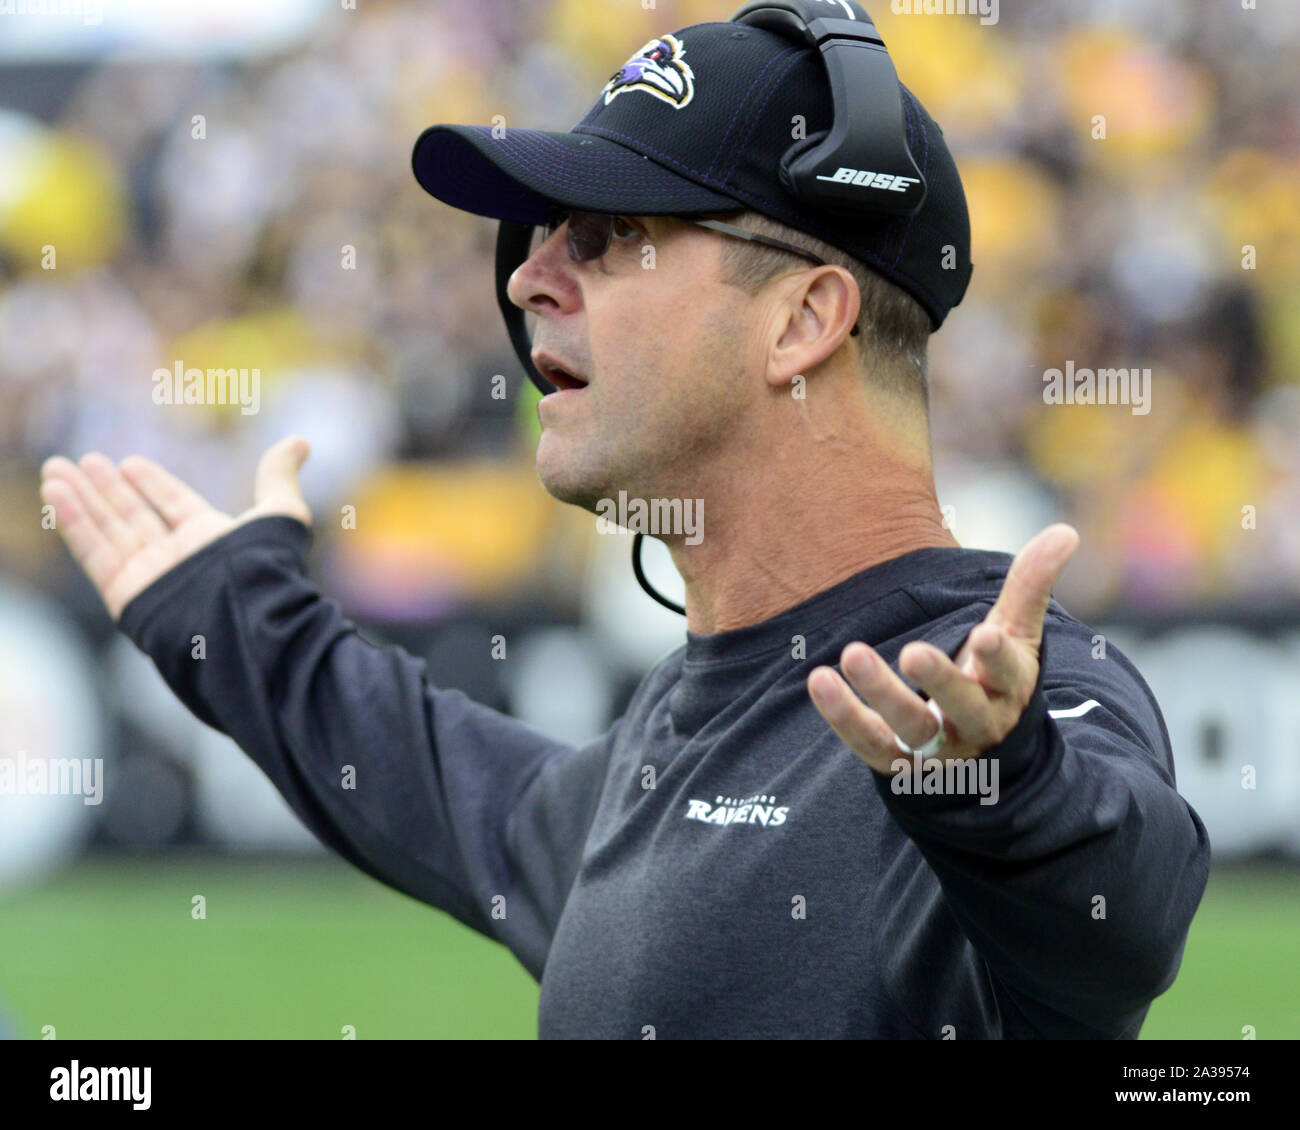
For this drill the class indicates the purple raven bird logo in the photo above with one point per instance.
(658, 69)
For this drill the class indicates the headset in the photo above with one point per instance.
(869, 131)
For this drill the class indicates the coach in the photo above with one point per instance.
(984, 841)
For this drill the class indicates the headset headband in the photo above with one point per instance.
(868, 141)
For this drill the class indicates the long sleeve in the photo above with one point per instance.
(1077, 886)
(444, 799)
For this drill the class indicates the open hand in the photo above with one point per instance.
(982, 693)
(129, 524)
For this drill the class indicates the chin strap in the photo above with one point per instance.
(649, 589)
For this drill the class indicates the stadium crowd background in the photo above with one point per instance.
(221, 243)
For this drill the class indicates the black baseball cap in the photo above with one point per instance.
(698, 122)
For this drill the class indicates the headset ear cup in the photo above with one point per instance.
(795, 153)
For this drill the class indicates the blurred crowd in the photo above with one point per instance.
(1132, 172)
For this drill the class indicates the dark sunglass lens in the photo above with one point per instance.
(589, 234)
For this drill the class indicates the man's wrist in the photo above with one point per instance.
(277, 529)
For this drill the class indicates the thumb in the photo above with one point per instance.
(276, 489)
(1027, 590)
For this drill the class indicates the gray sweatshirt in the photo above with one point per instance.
(719, 864)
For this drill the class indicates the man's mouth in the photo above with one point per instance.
(557, 373)
(562, 380)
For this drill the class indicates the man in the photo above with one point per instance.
(720, 863)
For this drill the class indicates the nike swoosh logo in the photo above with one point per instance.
(1074, 711)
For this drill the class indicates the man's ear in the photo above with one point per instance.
(818, 315)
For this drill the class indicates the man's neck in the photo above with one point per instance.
(769, 545)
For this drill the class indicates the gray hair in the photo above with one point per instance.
(893, 328)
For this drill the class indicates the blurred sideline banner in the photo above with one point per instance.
(1230, 696)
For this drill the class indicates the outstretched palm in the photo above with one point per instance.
(982, 692)
(129, 524)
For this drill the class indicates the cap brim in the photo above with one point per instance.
(520, 174)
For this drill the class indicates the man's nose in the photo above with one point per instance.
(545, 280)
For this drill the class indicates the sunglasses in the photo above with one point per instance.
(591, 233)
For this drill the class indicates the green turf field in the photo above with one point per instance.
(110, 951)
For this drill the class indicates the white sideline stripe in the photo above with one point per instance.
(1074, 711)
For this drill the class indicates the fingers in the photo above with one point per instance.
(903, 711)
(91, 505)
(964, 703)
(89, 545)
(1027, 590)
(974, 723)
(858, 726)
(996, 661)
(276, 487)
(980, 696)
(173, 499)
(125, 500)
